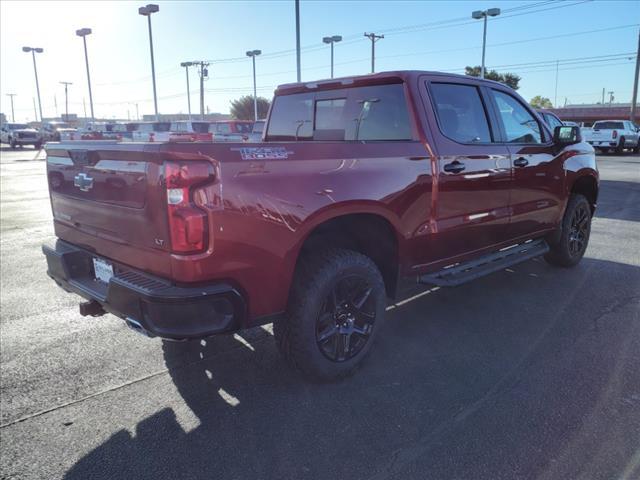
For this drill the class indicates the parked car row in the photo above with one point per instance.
(605, 135)
(236, 131)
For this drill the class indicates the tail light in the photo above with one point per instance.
(614, 134)
(187, 223)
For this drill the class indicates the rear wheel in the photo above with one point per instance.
(574, 238)
(336, 308)
(620, 147)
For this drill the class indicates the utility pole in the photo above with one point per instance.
(611, 97)
(137, 113)
(84, 106)
(374, 38)
(13, 115)
(35, 112)
(55, 104)
(66, 100)
(298, 40)
(555, 99)
(602, 96)
(634, 97)
(204, 73)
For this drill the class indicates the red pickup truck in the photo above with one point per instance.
(362, 186)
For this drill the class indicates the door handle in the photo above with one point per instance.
(521, 162)
(454, 167)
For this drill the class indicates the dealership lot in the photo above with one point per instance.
(533, 372)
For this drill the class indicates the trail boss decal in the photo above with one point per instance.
(264, 153)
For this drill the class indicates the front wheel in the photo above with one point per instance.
(12, 143)
(336, 308)
(574, 238)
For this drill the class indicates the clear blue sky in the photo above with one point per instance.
(120, 66)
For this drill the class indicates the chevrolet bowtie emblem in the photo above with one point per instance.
(83, 181)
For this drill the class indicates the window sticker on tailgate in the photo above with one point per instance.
(264, 153)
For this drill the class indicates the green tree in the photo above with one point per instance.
(242, 108)
(510, 79)
(540, 102)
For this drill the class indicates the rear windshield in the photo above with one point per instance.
(17, 126)
(608, 125)
(376, 113)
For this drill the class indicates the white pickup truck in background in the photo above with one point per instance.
(613, 134)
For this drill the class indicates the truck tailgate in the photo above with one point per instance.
(108, 197)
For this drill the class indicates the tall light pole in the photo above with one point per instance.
(253, 54)
(298, 68)
(634, 96)
(33, 51)
(484, 14)
(13, 115)
(374, 38)
(66, 100)
(331, 41)
(147, 11)
(83, 32)
(186, 66)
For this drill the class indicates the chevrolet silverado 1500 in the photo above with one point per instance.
(362, 185)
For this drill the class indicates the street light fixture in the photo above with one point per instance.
(83, 32)
(186, 66)
(253, 54)
(146, 12)
(331, 41)
(484, 14)
(33, 51)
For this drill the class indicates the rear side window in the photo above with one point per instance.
(223, 128)
(461, 114)
(608, 125)
(200, 127)
(519, 124)
(243, 127)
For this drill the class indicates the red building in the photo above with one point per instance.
(590, 113)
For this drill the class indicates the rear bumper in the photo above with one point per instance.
(151, 304)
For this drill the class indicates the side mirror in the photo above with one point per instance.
(566, 135)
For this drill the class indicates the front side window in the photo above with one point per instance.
(519, 124)
(461, 114)
(223, 128)
(552, 120)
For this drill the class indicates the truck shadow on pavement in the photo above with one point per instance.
(619, 200)
(510, 376)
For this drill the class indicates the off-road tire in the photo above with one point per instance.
(563, 252)
(317, 276)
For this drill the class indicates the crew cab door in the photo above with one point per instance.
(538, 174)
(473, 171)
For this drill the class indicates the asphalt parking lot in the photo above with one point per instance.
(532, 372)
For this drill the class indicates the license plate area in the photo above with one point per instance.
(103, 270)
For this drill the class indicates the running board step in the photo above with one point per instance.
(465, 272)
